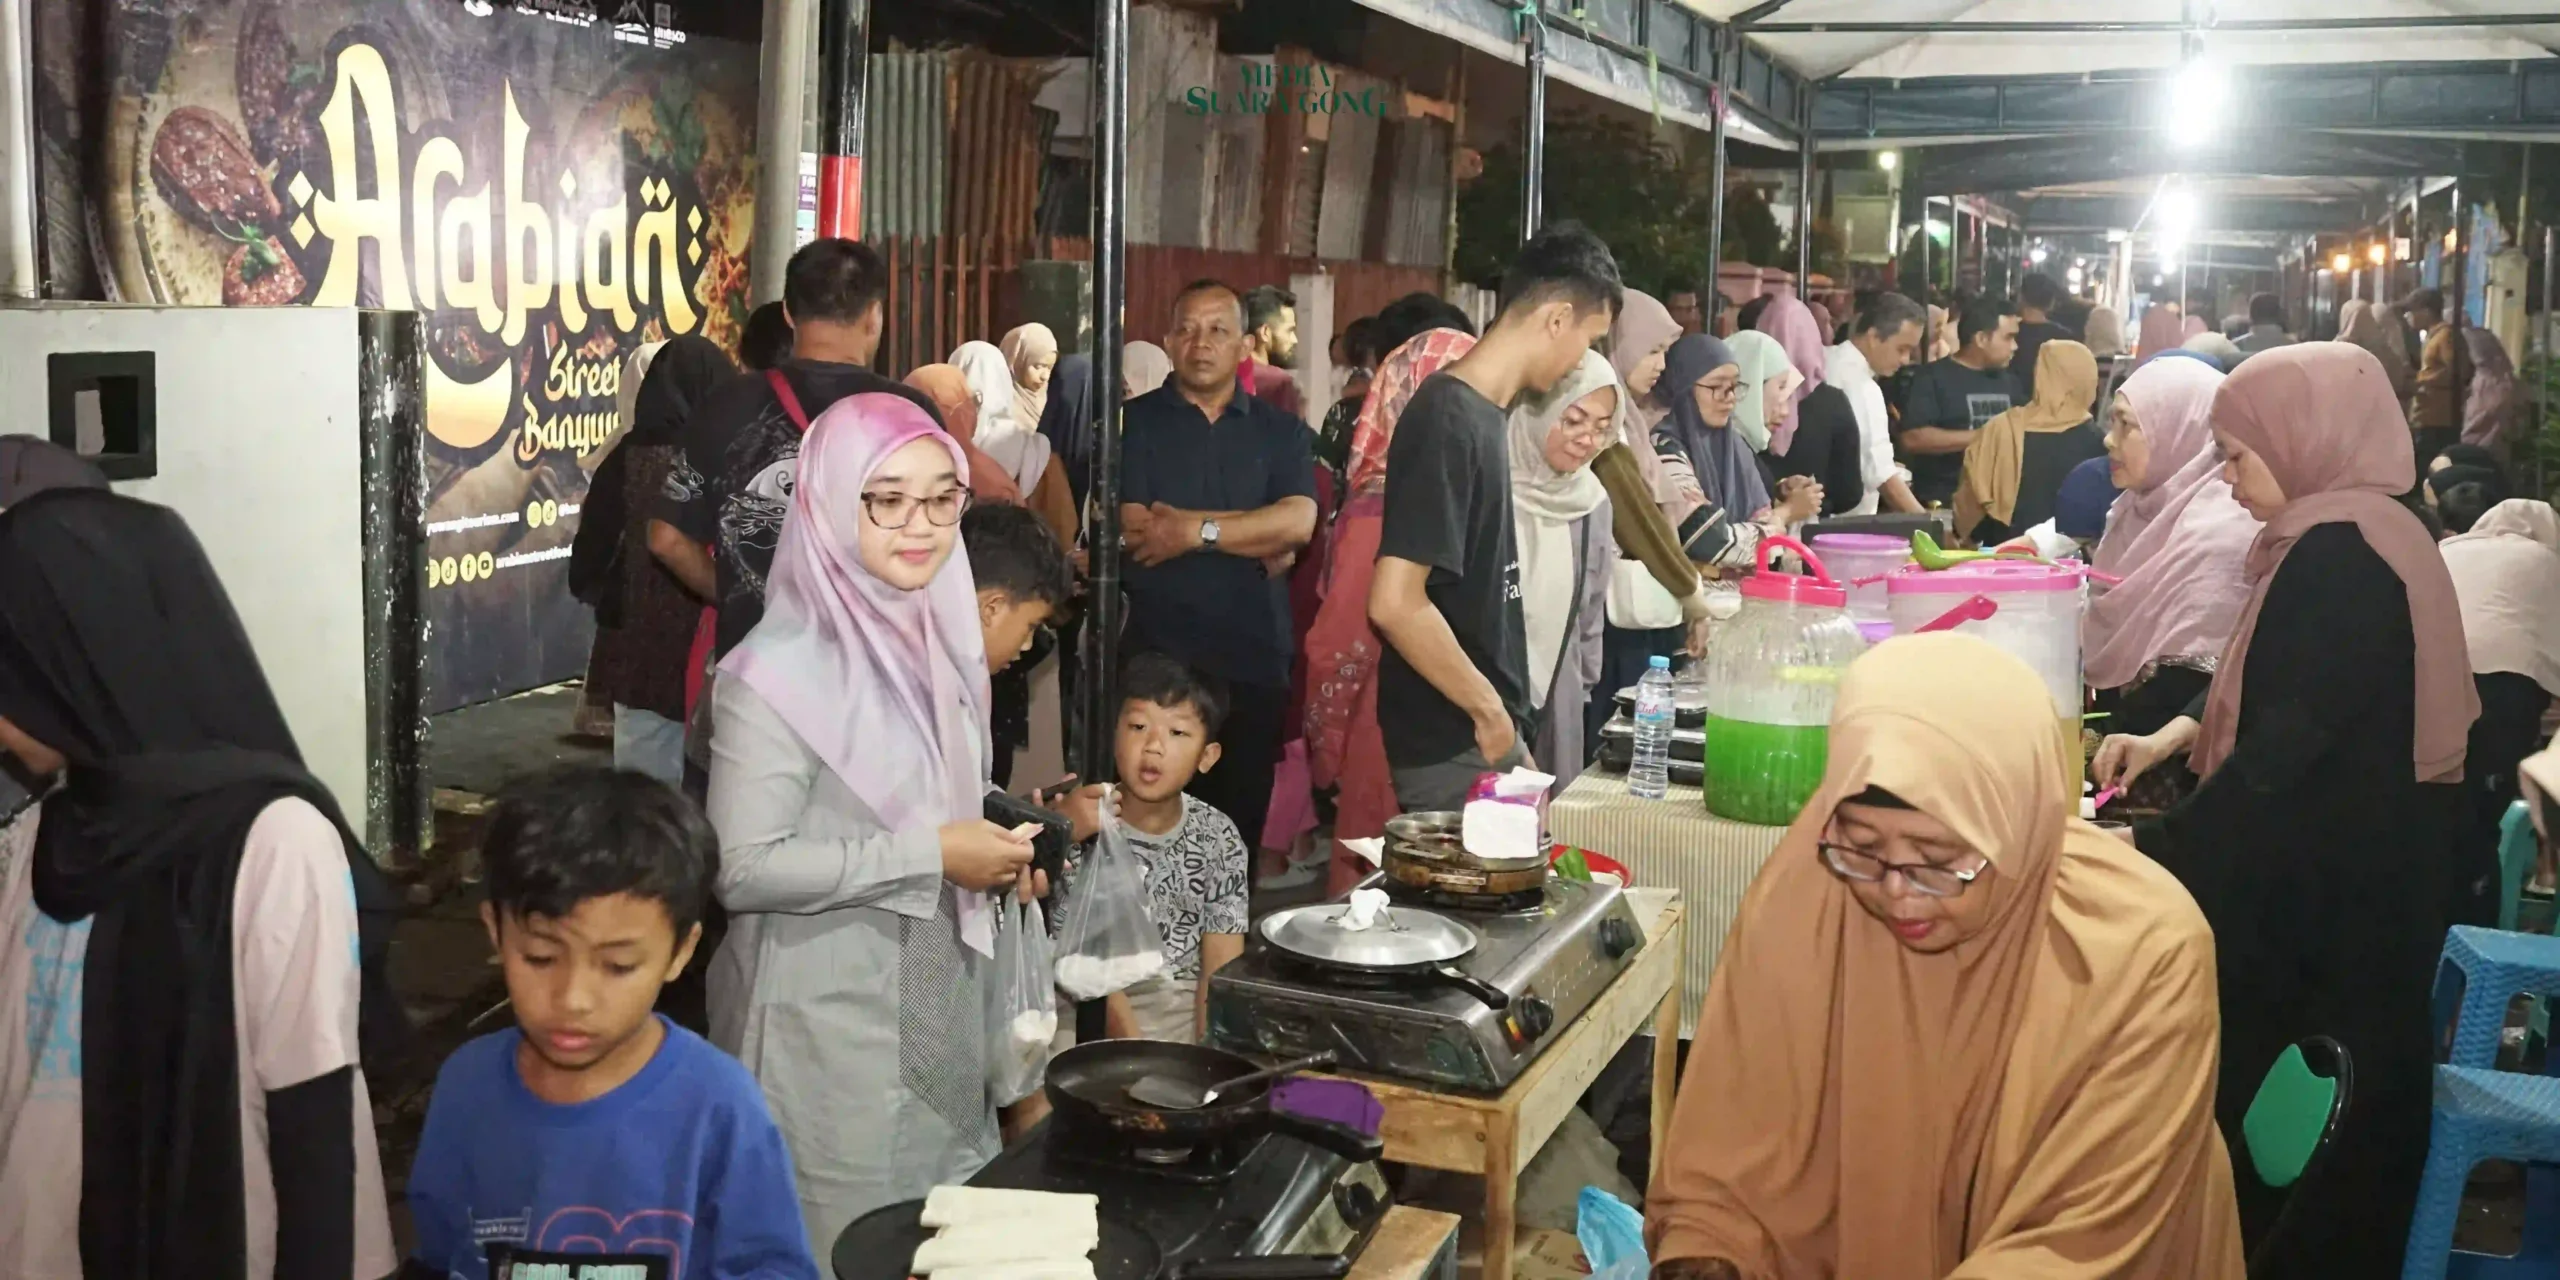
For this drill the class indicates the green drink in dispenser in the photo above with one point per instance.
(1772, 673)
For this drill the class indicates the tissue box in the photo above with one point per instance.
(1506, 816)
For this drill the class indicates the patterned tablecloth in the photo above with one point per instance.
(1671, 843)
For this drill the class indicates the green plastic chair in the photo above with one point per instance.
(2516, 848)
(2290, 1123)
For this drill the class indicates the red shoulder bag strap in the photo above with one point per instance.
(790, 399)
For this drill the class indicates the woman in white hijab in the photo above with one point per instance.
(1143, 367)
(1561, 516)
(1004, 434)
(2506, 575)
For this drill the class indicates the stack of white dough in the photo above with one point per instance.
(990, 1234)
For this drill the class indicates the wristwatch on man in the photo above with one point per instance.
(1209, 534)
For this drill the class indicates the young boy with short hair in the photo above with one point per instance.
(597, 1131)
(1022, 574)
(1197, 865)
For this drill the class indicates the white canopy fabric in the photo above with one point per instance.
(1912, 56)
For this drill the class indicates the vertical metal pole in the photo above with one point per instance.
(1533, 125)
(1110, 290)
(1805, 158)
(1928, 268)
(782, 89)
(2550, 256)
(2458, 270)
(844, 51)
(19, 274)
(1101, 648)
(1728, 52)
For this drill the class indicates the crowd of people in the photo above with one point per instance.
(1955, 1029)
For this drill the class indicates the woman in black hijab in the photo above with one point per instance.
(124, 669)
(645, 619)
(1067, 420)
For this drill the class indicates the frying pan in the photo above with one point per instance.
(1420, 946)
(1088, 1085)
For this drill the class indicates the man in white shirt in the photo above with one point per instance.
(1885, 338)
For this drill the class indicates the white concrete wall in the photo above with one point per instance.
(258, 448)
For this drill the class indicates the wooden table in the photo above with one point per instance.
(1497, 1136)
(1412, 1244)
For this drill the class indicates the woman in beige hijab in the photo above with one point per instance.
(1030, 356)
(1956, 1032)
(2017, 461)
(2368, 326)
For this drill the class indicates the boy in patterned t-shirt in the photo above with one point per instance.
(1196, 863)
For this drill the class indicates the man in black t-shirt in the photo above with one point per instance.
(1950, 399)
(725, 497)
(2038, 295)
(1453, 687)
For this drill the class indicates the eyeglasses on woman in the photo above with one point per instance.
(1925, 878)
(894, 511)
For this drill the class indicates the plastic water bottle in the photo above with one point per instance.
(1649, 775)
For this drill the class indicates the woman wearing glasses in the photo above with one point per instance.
(846, 785)
(1955, 1031)
(1715, 466)
(1560, 518)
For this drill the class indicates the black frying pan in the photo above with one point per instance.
(1089, 1087)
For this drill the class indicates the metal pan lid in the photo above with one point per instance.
(1401, 937)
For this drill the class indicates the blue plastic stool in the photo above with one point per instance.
(2516, 848)
(2491, 968)
(2487, 1115)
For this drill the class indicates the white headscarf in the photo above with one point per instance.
(1545, 504)
(1016, 445)
(2506, 574)
(1143, 367)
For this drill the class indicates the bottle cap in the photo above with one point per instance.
(1661, 663)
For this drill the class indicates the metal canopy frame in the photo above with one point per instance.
(2486, 98)
(2079, 26)
(1641, 48)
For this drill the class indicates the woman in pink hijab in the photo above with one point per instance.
(1820, 438)
(2324, 842)
(849, 764)
(2179, 540)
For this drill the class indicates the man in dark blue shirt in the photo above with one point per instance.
(1218, 494)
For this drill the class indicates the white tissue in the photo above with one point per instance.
(1367, 906)
(1505, 825)
(1374, 849)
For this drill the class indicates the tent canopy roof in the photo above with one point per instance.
(2237, 33)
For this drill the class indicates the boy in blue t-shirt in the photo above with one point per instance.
(597, 1132)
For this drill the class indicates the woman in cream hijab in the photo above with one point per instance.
(1030, 355)
(1957, 1033)
(1560, 513)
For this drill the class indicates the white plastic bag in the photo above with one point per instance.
(1022, 1018)
(1106, 942)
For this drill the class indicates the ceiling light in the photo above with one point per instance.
(1886, 160)
(2342, 264)
(2194, 111)
(2380, 253)
(2036, 255)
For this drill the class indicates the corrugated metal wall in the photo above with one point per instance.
(907, 135)
(1350, 175)
(1413, 192)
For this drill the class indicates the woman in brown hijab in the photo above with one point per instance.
(1956, 1032)
(2325, 842)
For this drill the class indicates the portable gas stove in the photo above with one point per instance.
(1550, 951)
(1254, 1198)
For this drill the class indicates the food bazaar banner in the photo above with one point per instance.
(551, 182)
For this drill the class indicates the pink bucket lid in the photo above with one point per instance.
(1860, 542)
(1817, 588)
(1984, 577)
